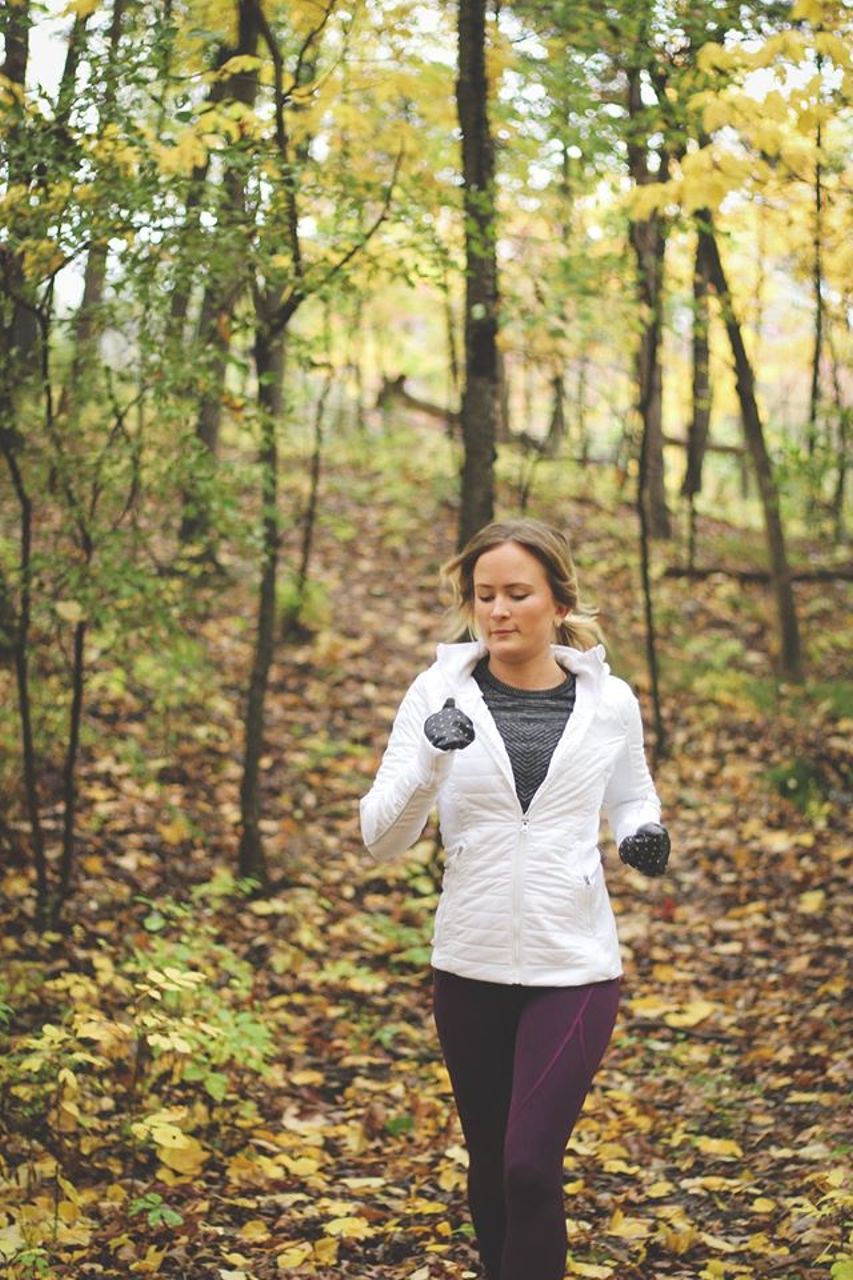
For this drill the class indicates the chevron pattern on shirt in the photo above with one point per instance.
(531, 723)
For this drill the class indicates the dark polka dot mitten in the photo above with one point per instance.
(449, 729)
(647, 850)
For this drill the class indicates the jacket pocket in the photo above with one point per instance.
(595, 898)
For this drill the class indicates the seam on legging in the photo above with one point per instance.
(565, 1040)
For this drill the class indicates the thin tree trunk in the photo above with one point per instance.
(580, 401)
(697, 438)
(557, 425)
(480, 394)
(843, 414)
(660, 745)
(251, 856)
(69, 772)
(790, 656)
(648, 239)
(817, 285)
(21, 655)
(452, 346)
(15, 23)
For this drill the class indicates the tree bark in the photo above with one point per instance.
(480, 394)
(10, 447)
(251, 856)
(697, 438)
(22, 333)
(557, 425)
(817, 285)
(791, 665)
(843, 415)
(648, 240)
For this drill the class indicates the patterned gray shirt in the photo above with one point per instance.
(531, 723)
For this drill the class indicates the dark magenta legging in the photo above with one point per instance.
(521, 1061)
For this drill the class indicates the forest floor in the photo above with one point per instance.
(286, 1111)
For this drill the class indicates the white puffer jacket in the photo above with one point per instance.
(523, 897)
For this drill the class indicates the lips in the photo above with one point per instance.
(509, 632)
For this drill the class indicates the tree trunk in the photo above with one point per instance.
(252, 859)
(790, 656)
(557, 425)
(480, 394)
(580, 407)
(843, 414)
(817, 284)
(697, 438)
(10, 446)
(648, 239)
(660, 745)
(15, 23)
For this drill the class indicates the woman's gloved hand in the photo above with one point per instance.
(449, 729)
(647, 850)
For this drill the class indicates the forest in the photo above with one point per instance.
(295, 295)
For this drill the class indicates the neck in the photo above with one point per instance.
(536, 673)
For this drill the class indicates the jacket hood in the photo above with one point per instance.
(457, 661)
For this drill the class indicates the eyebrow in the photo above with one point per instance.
(509, 585)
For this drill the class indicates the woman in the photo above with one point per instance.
(522, 737)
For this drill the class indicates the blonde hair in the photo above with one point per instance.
(551, 548)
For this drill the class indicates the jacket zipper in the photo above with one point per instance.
(519, 878)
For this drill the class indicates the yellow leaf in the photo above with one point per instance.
(691, 1014)
(167, 1135)
(308, 1076)
(647, 199)
(808, 11)
(590, 1269)
(294, 1256)
(716, 1242)
(69, 610)
(176, 831)
(80, 8)
(627, 1228)
(661, 1188)
(189, 1159)
(254, 1229)
(151, 1262)
(326, 1251)
(349, 1228)
(725, 1147)
(812, 901)
(651, 1006)
(11, 1240)
(763, 1205)
(619, 1166)
(238, 65)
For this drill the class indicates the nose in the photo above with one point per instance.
(500, 607)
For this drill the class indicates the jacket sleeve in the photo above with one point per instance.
(630, 798)
(395, 810)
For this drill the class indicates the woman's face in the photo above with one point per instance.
(514, 607)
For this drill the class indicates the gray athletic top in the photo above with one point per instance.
(531, 723)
